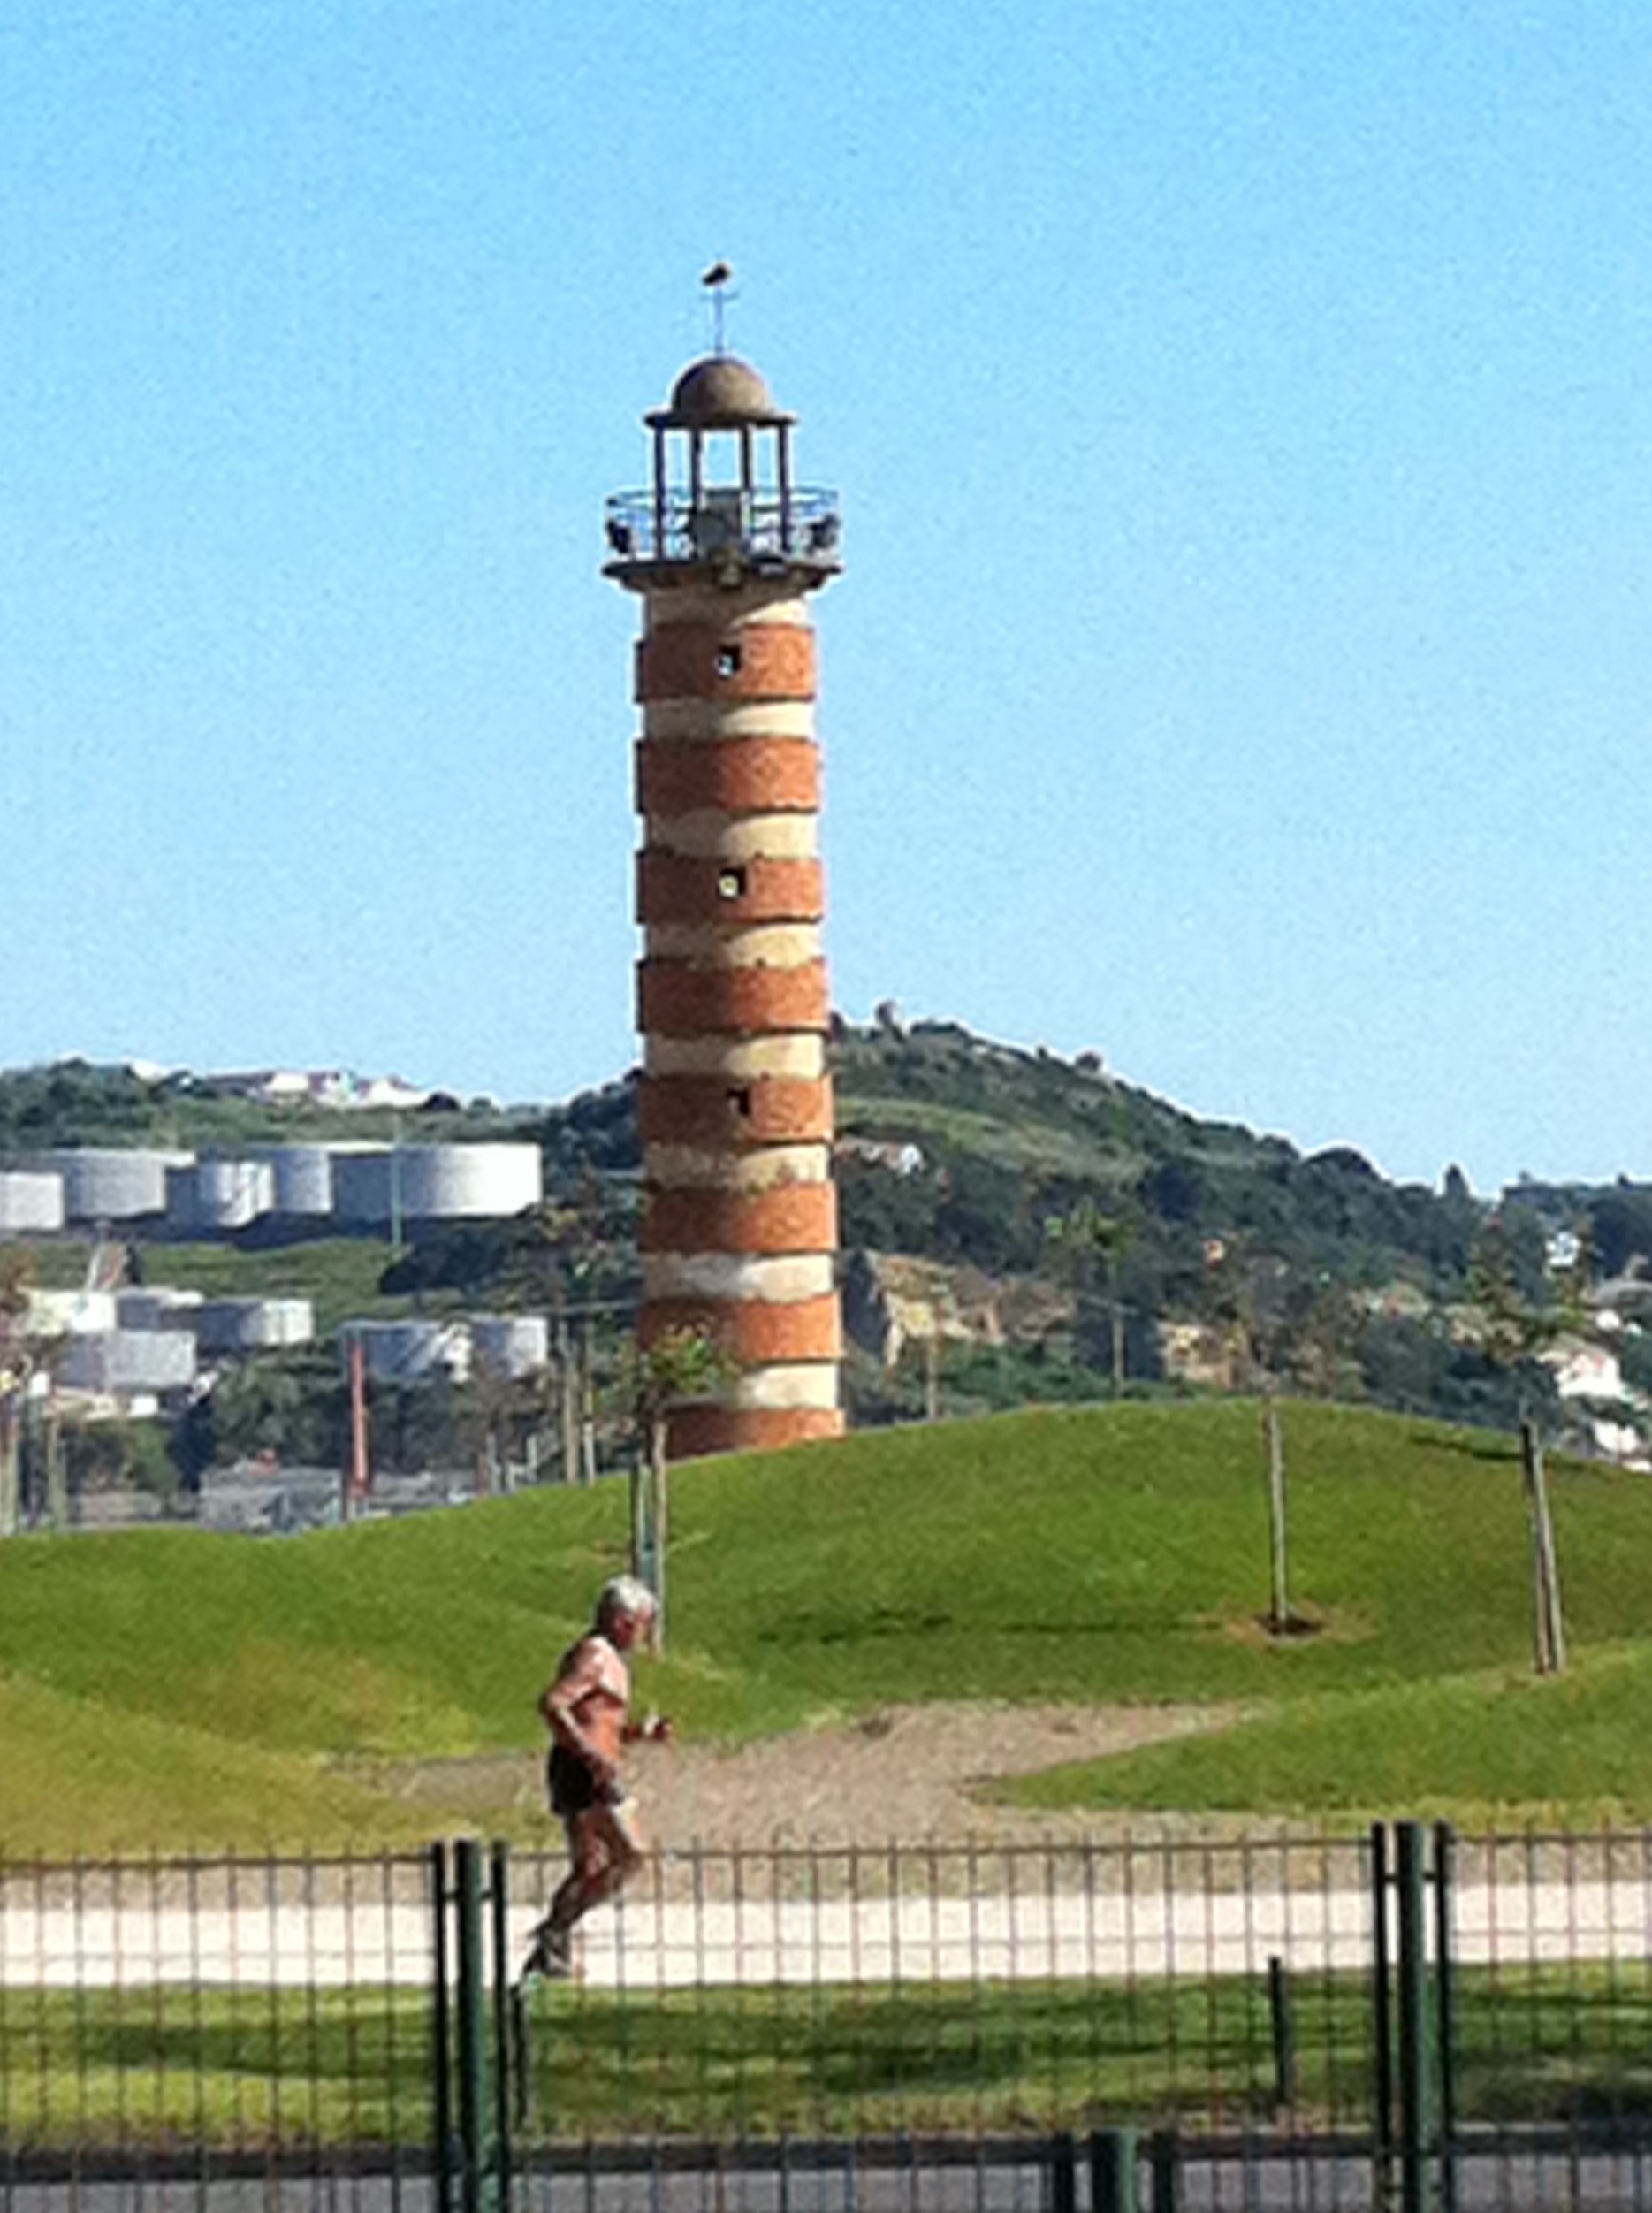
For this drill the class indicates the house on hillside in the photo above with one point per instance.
(1589, 1378)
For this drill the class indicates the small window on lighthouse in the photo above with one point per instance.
(731, 883)
(740, 1105)
(728, 660)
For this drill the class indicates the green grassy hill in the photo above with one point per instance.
(169, 1687)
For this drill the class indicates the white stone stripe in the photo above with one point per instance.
(707, 834)
(765, 945)
(785, 1385)
(770, 1278)
(711, 718)
(797, 1053)
(686, 603)
(698, 1168)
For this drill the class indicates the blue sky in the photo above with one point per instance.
(1243, 421)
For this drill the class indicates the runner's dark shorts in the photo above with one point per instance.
(570, 1784)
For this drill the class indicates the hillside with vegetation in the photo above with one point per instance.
(1041, 1229)
(365, 1683)
(1016, 1227)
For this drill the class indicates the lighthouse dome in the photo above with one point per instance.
(720, 392)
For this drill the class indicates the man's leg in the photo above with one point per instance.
(550, 1952)
(616, 1855)
(605, 1851)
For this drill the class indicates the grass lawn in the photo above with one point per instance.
(254, 2068)
(1479, 1748)
(1084, 1554)
(340, 1274)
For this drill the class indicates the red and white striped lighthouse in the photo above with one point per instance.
(740, 1217)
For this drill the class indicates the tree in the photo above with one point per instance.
(1082, 1244)
(25, 1358)
(1513, 1332)
(680, 1366)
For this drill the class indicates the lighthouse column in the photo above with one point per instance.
(739, 1230)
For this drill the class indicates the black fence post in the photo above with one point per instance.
(1166, 2171)
(1113, 2172)
(1282, 2020)
(504, 2055)
(1381, 2013)
(441, 2039)
(1415, 2067)
(1062, 2196)
(1445, 2006)
(472, 2037)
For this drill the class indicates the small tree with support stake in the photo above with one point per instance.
(27, 1356)
(681, 1365)
(1513, 1332)
(1077, 1243)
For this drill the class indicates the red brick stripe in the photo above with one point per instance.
(788, 1217)
(754, 1332)
(693, 1429)
(674, 998)
(681, 888)
(713, 1111)
(692, 660)
(735, 775)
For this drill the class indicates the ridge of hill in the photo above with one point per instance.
(1055, 1230)
(1050, 1229)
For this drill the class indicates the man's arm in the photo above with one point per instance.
(653, 1729)
(561, 1705)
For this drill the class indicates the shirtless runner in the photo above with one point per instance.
(585, 1708)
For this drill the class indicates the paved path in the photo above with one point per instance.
(662, 1943)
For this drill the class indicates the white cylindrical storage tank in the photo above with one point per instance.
(229, 1193)
(105, 1186)
(218, 1195)
(70, 1313)
(115, 1360)
(362, 1187)
(303, 1178)
(410, 1352)
(180, 1198)
(289, 1322)
(30, 1200)
(511, 1344)
(157, 1310)
(440, 1183)
(251, 1325)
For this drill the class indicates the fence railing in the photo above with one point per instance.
(987, 2024)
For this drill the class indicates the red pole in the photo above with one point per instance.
(361, 1466)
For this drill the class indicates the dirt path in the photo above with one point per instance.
(909, 1774)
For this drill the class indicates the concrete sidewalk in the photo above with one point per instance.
(656, 1942)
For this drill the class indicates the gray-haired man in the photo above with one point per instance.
(586, 1708)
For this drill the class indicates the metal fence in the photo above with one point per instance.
(1405, 2016)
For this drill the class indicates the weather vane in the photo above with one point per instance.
(716, 281)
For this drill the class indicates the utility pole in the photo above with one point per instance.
(9, 1441)
(587, 1406)
(358, 1481)
(1278, 1531)
(568, 1401)
(1548, 1629)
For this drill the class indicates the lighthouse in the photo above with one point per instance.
(739, 1232)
